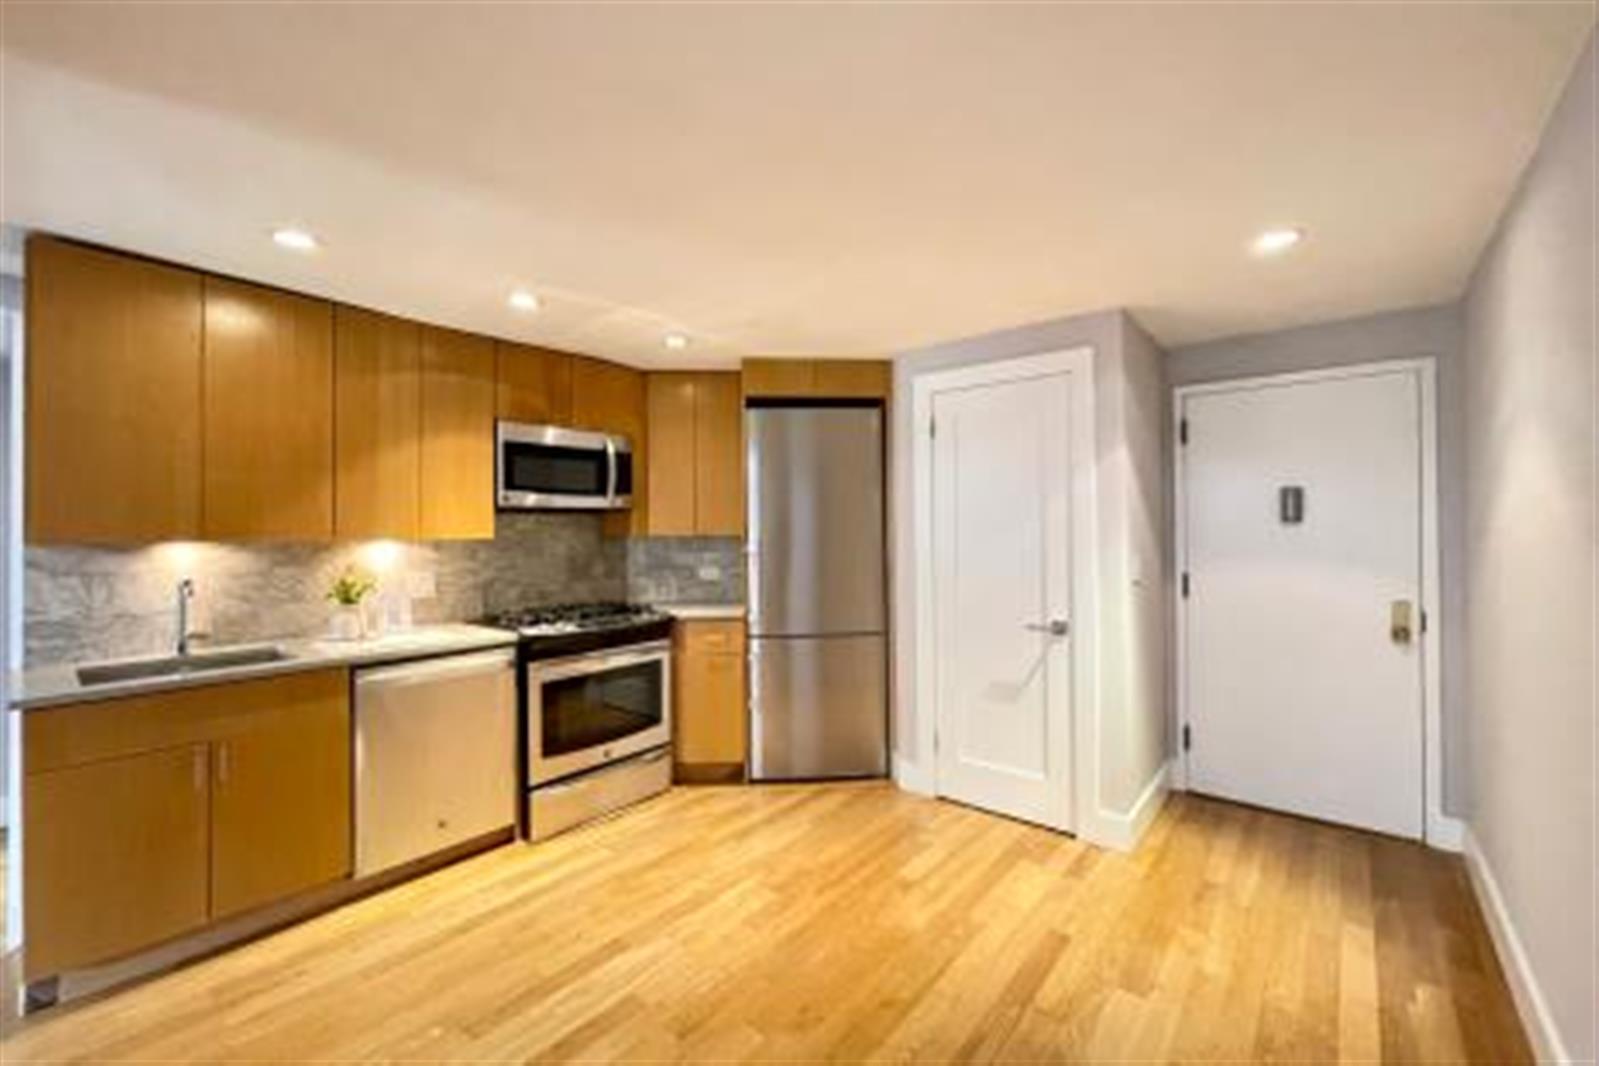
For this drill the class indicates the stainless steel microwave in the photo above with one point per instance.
(554, 468)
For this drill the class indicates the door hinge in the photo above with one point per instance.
(1423, 619)
(1182, 431)
(1188, 738)
(1185, 584)
(932, 428)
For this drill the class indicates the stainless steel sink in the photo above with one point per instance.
(166, 666)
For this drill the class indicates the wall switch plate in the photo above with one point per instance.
(421, 585)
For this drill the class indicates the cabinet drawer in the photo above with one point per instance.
(718, 637)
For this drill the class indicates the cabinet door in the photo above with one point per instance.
(113, 405)
(779, 377)
(268, 413)
(610, 397)
(719, 456)
(672, 468)
(710, 707)
(377, 403)
(533, 384)
(457, 435)
(869, 379)
(281, 799)
(116, 857)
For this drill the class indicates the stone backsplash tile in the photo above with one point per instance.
(93, 603)
(686, 570)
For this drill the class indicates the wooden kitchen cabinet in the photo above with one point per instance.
(280, 820)
(147, 817)
(826, 379)
(710, 742)
(534, 385)
(610, 397)
(268, 414)
(696, 468)
(377, 412)
(458, 398)
(113, 397)
(115, 856)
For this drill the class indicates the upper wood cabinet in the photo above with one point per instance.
(610, 397)
(268, 414)
(696, 470)
(458, 398)
(818, 378)
(534, 384)
(148, 817)
(113, 397)
(377, 413)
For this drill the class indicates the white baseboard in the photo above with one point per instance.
(1124, 831)
(1530, 1004)
(1446, 833)
(911, 776)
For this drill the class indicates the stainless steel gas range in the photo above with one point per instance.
(596, 709)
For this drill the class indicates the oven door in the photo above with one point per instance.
(591, 709)
(552, 467)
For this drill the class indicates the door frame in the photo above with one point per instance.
(1438, 829)
(1080, 806)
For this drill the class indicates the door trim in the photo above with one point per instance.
(1438, 829)
(1082, 812)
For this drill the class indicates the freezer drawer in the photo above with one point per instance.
(818, 707)
(435, 756)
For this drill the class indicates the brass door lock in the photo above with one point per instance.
(1401, 630)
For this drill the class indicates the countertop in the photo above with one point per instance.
(46, 686)
(698, 612)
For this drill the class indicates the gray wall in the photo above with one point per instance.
(1130, 395)
(1530, 562)
(1423, 331)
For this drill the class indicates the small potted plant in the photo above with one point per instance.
(346, 594)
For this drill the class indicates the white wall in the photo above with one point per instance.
(1531, 541)
(1130, 398)
(1406, 334)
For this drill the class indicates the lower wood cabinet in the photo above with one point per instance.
(149, 817)
(711, 739)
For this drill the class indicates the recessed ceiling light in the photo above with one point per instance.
(675, 341)
(1277, 241)
(523, 300)
(295, 239)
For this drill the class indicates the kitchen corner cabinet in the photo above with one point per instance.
(827, 379)
(377, 412)
(534, 385)
(268, 414)
(710, 742)
(696, 472)
(610, 397)
(113, 397)
(458, 397)
(148, 817)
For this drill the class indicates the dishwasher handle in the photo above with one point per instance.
(442, 668)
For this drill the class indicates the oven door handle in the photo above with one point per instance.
(590, 663)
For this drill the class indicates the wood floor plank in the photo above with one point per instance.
(852, 923)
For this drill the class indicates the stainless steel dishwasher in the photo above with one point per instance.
(435, 755)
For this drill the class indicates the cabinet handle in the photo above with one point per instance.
(223, 761)
(198, 760)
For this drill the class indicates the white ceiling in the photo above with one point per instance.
(790, 179)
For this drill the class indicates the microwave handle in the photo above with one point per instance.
(610, 471)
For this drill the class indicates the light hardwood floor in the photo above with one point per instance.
(855, 922)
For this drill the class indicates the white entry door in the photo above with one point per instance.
(1303, 540)
(1002, 461)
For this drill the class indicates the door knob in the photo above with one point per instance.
(1056, 627)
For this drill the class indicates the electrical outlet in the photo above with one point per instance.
(709, 572)
(421, 585)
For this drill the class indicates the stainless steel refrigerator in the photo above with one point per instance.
(818, 651)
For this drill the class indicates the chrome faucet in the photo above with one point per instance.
(185, 594)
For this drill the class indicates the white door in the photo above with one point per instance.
(1001, 483)
(1303, 550)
